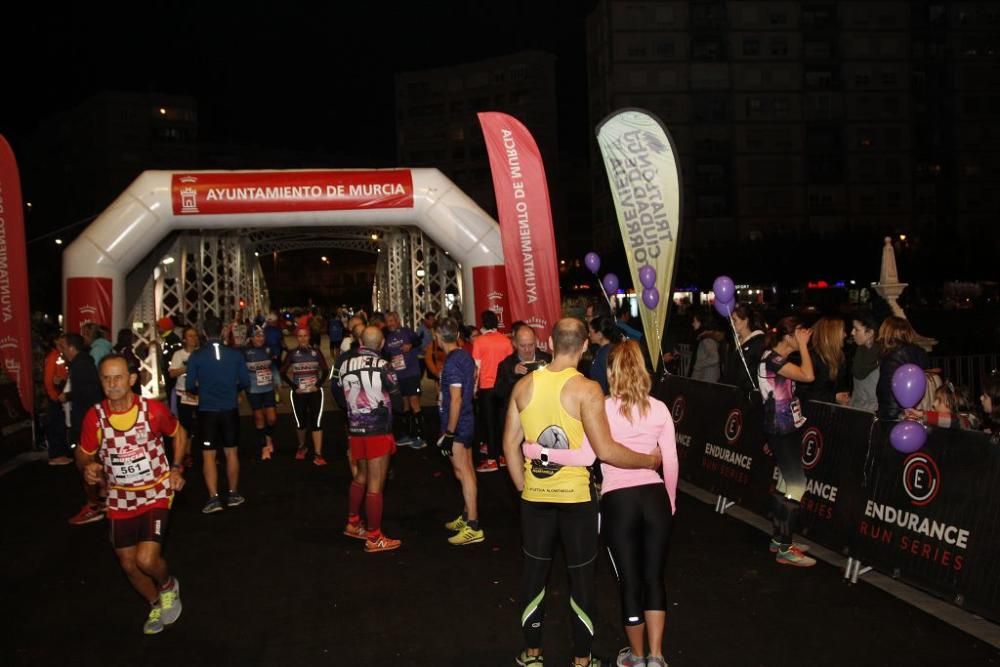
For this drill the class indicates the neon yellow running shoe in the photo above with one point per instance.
(455, 525)
(466, 535)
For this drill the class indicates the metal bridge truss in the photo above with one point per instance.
(207, 274)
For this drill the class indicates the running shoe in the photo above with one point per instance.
(418, 443)
(356, 530)
(456, 525)
(502, 461)
(794, 557)
(652, 661)
(776, 544)
(212, 506)
(60, 461)
(628, 659)
(489, 465)
(405, 441)
(154, 622)
(525, 660)
(467, 535)
(300, 454)
(318, 460)
(484, 449)
(170, 604)
(87, 514)
(234, 499)
(381, 543)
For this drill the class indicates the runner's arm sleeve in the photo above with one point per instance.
(668, 449)
(581, 457)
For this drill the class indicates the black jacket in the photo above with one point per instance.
(888, 408)
(85, 391)
(507, 378)
(734, 373)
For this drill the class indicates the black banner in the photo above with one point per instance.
(931, 518)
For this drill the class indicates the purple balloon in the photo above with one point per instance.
(909, 385)
(647, 276)
(725, 290)
(610, 283)
(651, 297)
(907, 436)
(593, 261)
(724, 308)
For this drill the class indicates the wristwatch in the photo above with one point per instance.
(544, 457)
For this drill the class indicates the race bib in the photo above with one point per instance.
(188, 399)
(307, 383)
(797, 416)
(264, 376)
(131, 470)
(398, 362)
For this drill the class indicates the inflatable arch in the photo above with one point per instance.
(157, 203)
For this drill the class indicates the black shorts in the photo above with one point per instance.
(149, 526)
(219, 429)
(409, 386)
(307, 409)
(262, 400)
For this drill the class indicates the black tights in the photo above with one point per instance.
(543, 526)
(636, 525)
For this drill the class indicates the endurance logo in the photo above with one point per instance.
(678, 409)
(921, 478)
(812, 447)
(734, 426)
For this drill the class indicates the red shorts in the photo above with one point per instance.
(366, 447)
(149, 526)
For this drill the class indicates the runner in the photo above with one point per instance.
(557, 407)
(401, 345)
(636, 505)
(260, 367)
(489, 349)
(368, 391)
(121, 444)
(187, 402)
(458, 382)
(217, 374)
(305, 370)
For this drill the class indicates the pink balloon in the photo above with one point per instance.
(908, 385)
(650, 297)
(907, 436)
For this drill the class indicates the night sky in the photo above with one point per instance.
(284, 75)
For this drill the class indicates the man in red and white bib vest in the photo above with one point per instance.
(121, 445)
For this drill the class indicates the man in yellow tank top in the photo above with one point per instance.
(557, 407)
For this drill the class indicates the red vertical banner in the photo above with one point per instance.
(491, 293)
(87, 300)
(15, 315)
(529, 245)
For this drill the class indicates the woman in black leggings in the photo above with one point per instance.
(782, 421)
(636, 505)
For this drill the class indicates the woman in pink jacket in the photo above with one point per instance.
(637, 506)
